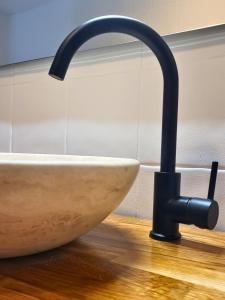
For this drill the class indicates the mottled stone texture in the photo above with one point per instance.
(49, 200)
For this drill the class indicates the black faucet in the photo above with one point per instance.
(170, 208)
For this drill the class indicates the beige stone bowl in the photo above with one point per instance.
(48, 200)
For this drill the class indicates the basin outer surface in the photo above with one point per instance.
(47, 200)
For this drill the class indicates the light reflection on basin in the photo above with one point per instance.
(48, 200)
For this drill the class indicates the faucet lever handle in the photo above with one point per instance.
(212, 182)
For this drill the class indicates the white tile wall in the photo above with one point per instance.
(6, 88)
(38, 113)
(110, 104)
(38, 125)
(201, 126)
(112, 117)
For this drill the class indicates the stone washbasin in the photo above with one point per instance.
(48, 200)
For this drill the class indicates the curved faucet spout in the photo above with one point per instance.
(165, 57)
(170, 208)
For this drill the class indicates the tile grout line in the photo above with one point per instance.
(139, 106)
(66, 117)
(138, 126)
(11, 111)
(179, 168)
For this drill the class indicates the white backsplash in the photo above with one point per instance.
(110, 104)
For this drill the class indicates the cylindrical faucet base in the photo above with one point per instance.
(166, 187)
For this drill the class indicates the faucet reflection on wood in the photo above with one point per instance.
(170, 208)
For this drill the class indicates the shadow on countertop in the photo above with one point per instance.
(76, 270)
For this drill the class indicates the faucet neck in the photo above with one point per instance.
(165, 57)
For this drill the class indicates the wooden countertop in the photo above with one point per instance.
(117, 260)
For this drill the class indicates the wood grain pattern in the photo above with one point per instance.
(117, 260)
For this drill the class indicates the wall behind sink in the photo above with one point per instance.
(111, 103)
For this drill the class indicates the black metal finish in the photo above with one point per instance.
(198, 211)
(166, 187)
(212, 182)
(170, 208)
